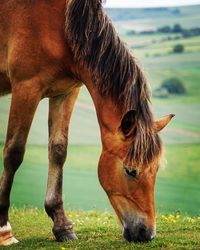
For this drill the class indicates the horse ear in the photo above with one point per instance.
(127, 122)
(162, 122)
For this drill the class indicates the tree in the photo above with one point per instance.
(177, 28)
(173, 86)
(164, 29)
(179, 48)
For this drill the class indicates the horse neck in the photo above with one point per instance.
(108, 114)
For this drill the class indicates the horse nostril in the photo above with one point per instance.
(127, 234)
(145, 234)
(142, 232)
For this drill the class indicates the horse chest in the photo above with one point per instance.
(61, 87)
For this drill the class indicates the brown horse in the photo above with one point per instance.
(48, 49)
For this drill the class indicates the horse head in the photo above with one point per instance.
(130, 184)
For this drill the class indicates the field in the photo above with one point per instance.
(101, 231)
(177, 187)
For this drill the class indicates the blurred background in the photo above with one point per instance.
(165, 37)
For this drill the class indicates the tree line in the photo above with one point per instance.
(176, 29)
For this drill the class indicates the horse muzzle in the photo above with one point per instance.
(138, 232)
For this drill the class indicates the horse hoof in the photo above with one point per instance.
(67, 237)
(6, 237)
(8, 242)
(63, 235)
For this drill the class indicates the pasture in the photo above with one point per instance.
(102, 231)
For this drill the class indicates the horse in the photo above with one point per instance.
(49, 49)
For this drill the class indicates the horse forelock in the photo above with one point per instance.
(96, 45)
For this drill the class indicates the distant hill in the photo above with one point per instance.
(117, 14)
(187, 16)
(125, 14)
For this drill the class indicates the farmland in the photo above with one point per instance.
(177, 185)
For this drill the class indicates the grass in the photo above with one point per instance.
(177, 184)
(97, 230)
(189, 76)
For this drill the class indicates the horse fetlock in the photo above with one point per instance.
(6, 236)
(54, 207)
(64, 233)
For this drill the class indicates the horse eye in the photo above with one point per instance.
(128, 122)
(126, 126)
(131, 172)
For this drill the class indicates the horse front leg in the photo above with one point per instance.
(60, 109)
(23, 105)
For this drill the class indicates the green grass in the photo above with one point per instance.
(159, 43)
(178, 182)
(97, 230)
(177, 186)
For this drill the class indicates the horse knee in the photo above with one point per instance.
(58, 152)
(52, 205)
(13, 156)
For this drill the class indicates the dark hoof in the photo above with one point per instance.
(64, 235)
